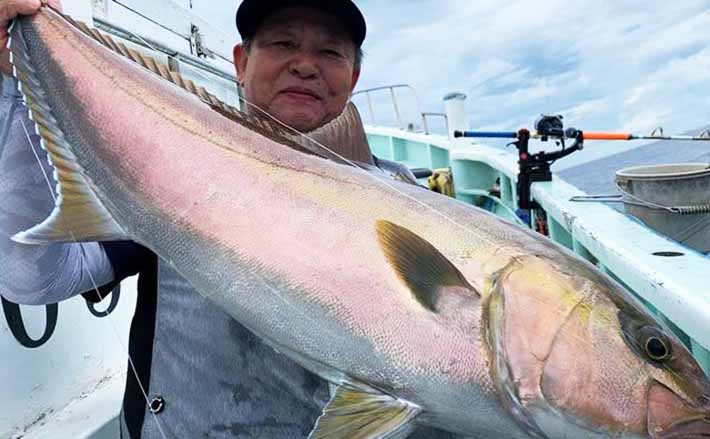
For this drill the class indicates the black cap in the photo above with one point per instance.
(252, 12)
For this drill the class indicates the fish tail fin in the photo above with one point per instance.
(78, 214)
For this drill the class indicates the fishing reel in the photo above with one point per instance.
(550, 126)
(535, 167)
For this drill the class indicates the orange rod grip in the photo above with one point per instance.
(606, 136)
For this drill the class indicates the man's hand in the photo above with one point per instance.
(10, 9)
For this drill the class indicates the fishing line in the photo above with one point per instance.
(364, 171)
(93, 282)
(287, 127)
(85, 264)
(346, 160)
(145, 17)
(8, 122)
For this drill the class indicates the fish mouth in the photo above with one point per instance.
(671, 417)
(694, 429)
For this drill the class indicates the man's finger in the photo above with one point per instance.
(11, 8)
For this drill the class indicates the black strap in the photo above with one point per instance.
(140, 348)
(13, 315)
(129, 259)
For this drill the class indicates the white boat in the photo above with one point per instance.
(64, 365)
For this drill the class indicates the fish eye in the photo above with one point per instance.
(657, 349)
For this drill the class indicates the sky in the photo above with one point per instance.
(605, 65)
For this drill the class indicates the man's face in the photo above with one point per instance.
(300, 68)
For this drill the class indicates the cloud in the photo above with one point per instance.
(496, 71)
(605, 65)
(689, 35)
(674, 94)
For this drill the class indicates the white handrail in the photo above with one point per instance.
(393, 96)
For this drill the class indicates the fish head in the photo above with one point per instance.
(615, 368)
(577, 356)
(678, 390)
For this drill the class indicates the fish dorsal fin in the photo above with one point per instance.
(156, 67)
(356, 414)
(271, 129)
(345, 136)
(78, 214)
(418, 263)
(343, 140)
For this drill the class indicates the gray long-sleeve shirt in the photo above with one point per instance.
(34, 275)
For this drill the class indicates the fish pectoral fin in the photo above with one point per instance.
(419, 264)
(78, 214)
(356, 414)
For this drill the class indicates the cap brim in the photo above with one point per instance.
(251, 14)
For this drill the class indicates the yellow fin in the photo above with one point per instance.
(78, 214)
(418, 263)
(365, 414)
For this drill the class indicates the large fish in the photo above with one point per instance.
(450, 318)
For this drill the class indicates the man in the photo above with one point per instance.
(203, 373)
(301, 66)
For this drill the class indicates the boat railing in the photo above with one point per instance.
(396, 107)
(174, 35)
(174, 56)
(425, 123)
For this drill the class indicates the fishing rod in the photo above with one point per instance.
(570, 133)
(535, 167)
(704, 136)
